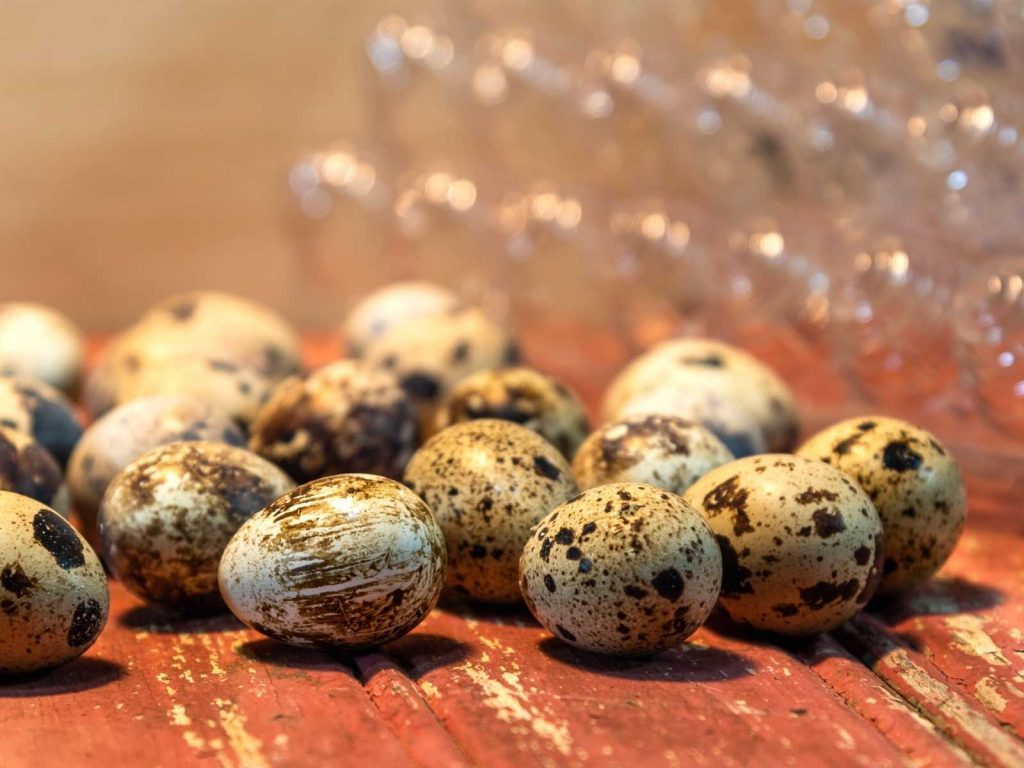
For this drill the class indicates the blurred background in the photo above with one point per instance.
(834, 184)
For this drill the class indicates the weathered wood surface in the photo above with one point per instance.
(935, 679)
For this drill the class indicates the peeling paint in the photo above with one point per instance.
(971, 638)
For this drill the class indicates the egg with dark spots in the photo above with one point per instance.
(916, 487)
(626, 569)
(346, 562)
(165, 520)
(345, 417)
(53, 590)
(394, 305)
(524, 396)
(665, 451)
(430, 356)
(28, 469)
(39, 410)
(711, 368)
(488, 482)
(801, 543)
(40, 343)
(119, 437)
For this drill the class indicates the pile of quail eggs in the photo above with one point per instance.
(333, 507)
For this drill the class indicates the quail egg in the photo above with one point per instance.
(125, 433)
(393, 305)
(522, 395)
(431, 355)
(916, 487)
(704, 365)
(40, 343)
(28, 469)
(346, 562)
(39, 410)
(801, 543)
(53, 591)
(488, 483)
(625, 569)
(345, 417)
(165, 520)
(727, 419)
(665, 451)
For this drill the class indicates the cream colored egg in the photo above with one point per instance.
(40, 343)
(524, 396)
(53, 591)
(165, 520)
(28, 469)
(625, 568)
(665, 451)
(393, 305)
(801, 543)
(488, 483)
(39, 410)
(344, 417)
(915, 484)
(345, 562)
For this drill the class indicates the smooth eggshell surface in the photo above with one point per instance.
(391, 306)
(40, 343)
(28, 469)
(39, 410)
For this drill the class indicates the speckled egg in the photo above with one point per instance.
(801, 543)
(393, 305)
(705, 365)
(626, 569)
(431, 355)
(40, 343)
(916, 487)
(125, 433)
(729, 420)
(488, 483)
(345, 562)
(28, 469)
(665, 451)
(39, 410)
(344, 417)
(525, 396)
(53, 591)
(165, 520)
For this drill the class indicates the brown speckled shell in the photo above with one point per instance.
(346, 562)
(125, 433)
(625, 568)
(165, 520)
(28, 469)
(665, 451)
(916, 487)
(801, 543)
(524, 396)
(711, 366)
(391, 306)
(39, 410)
(53, 591)
(40, 343)
(488, 483)
(345, 417)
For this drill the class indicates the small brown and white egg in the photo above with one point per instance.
(801, 543)
(393, 305)
(915, 484)
(53, 591)
(433, 354)
(39, 410)
(40, 343)
(125, 433)
(522, 395)
(165, 520)
(729, 420)
(665, 451)
(705, 365)
(28, 469)
(344, 417)
(625, 569)
(488, 482)
(345, 562)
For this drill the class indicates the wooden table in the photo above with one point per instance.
(935, 679)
